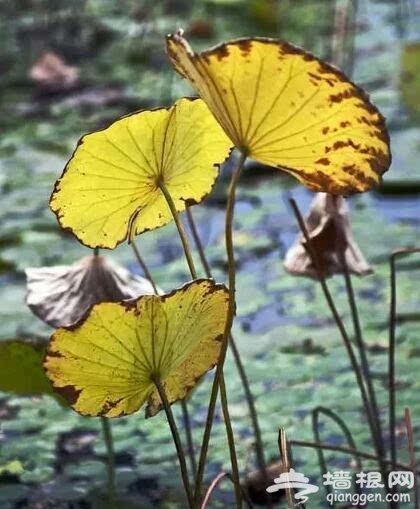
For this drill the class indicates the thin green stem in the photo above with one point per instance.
(321, 458)
(391, 358)
(231, 441)
(190, 262)
(190, 443)
(363, 358)
(341, 328)
(229, 322)
(412, 454)
(216, 481)
(143, 265)
(346, 431)
(198, 244)
(238, 361)
(109, 443)
(259, 448)
(344, 450)
(176, 438)
(181, 230)
(287, 464)
(185, 413)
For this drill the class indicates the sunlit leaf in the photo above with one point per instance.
(61, 295)
(110, 187)
(21, 370)
(285, 108)
(105, 364)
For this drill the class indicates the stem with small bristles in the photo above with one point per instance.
(176, 438)
(230, 208)
(225, 408)
(109, 442)
(143, 266)
(236, 355)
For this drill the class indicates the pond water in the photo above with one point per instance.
(119, 51)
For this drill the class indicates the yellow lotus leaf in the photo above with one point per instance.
(105, 364)
(285, 108)
(110, 188)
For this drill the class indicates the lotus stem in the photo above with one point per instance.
(225, 408)
(198, 244)
(391, 358)
(363, 357)
(231, 440)
(185, 413)
(321, 457)
(412, 454)
(144, 267)
(343, 332)
(176, 439)
(238, 361)
(229, 321)
(180, 228)
(345, 450)
(215, 483)
(109, 443)
(188, 432)
(286, 458)
(347, 433)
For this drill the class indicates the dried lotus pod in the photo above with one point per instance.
(329, 228)
(61, 295)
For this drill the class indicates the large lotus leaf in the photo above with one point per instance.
(287, 109)
(106, 364)
(111, 187)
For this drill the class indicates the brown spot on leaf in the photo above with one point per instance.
(245, 46)
(342, 144)
(324, 160)
(108, 405)
(347, 94)
(69, 393)
(220, 52)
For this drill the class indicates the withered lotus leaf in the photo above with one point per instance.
(285, 108)
(329, 228)
(110, 188)
(61, 295)
(105, 365)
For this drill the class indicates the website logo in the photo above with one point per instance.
(293, 479)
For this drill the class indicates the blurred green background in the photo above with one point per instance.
(72, 67)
